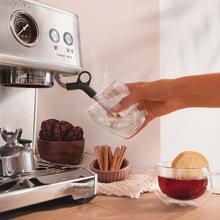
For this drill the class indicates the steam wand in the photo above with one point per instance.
(83, 83)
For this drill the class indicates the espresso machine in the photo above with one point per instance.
(39, 45)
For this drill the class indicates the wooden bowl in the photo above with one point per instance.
(63, 152)
(111, 176)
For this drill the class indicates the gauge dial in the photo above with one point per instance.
(24, 29)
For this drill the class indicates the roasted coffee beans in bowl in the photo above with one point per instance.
(60, 142)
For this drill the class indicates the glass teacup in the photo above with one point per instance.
(183, 187)
(125, 123)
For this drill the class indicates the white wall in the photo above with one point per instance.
(17, 109)
(120, 41)
(190, 44)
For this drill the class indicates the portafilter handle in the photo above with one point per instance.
(10, 137)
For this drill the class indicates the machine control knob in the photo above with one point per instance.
(68, 39)
(54, 35)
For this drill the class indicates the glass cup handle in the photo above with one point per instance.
(215, 182)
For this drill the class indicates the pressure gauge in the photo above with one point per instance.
(24, 28)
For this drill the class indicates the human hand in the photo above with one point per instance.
(156, 98)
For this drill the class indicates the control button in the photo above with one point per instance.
(68, 50)
(54, 35)
(68, 39)
(55, 47)
(72, 51)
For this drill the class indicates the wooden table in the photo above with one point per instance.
(147, 207)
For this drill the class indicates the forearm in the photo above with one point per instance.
(198, 90)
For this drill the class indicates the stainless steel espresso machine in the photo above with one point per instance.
(38, 45)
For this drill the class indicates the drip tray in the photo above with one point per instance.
(46, 183)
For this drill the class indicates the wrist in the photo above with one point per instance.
(179, 92)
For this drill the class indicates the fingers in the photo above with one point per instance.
(124, 104)
(136, 96)
(154, 91)
(113, 92)
(134, 86)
